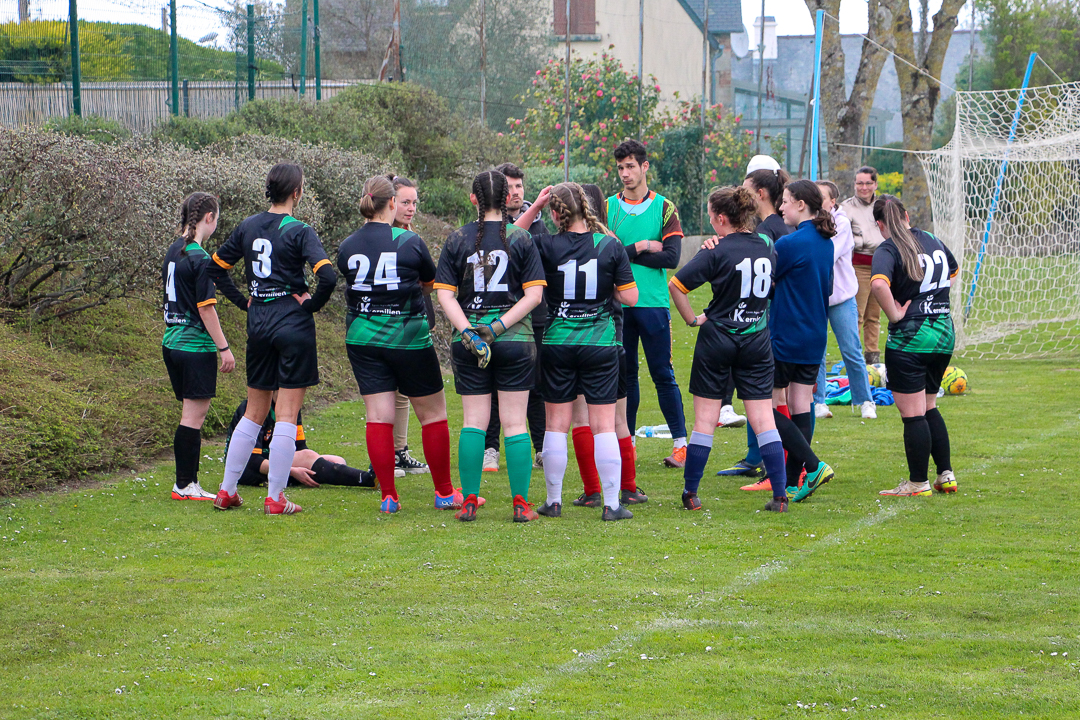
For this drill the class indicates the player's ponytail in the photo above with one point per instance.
(192, 210)
(808, 192)
(772, 182)
(737, 204)
(491, 191)
(378, 192)
(890, 211)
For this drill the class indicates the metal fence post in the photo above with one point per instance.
(174, 60)
(251, 51)
(303, 49)
(318, 51)
(76, 71)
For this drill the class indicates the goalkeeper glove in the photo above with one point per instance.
(489, 332)
(477, 346)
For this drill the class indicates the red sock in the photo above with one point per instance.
(585, 452)
(783, 410)
(380, 443)
(629, 471)
(436, 440)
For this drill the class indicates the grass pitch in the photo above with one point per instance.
(116, 602)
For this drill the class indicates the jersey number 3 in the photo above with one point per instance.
(385, 271)
(758, 280)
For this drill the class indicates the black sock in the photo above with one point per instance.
(187, 445)
(328, 473)
(798, 449)
(805, 423)
(917, 447)
(939, 440)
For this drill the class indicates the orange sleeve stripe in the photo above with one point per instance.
(626, 286)
(954, 273)
(221, 262)
(205, 303)
(534, 283)
(319, 265)
(679, 233)
(444, 286)
(429, 283)
(680, 286)
(879, 276)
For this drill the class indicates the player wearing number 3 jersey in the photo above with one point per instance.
(912, 273)
(387, 270)
(281, 352)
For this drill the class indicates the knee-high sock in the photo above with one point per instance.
(554, 465)
(753, 452)
(328, 473)
(380, 444)
(697, 456)
(187, 444)
(628, 481)
(282, 451)
(436, 439)
(585, 452)
(609, 466)
(241, 444)
(470, 457)
(518, 463)
(799, 452)
(917, 447)
(401, 421)
(939, 440)
(804, 421)
(772, 453)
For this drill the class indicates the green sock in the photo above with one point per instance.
(471, 459)
(519, 464)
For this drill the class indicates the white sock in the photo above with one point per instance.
(282, 451)
(554, 465)
(680, 442)
(609, 466)
(241, 444)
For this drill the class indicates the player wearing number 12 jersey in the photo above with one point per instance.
(281, 354)
(488, 281)
(585, 267)
(912, 274)
(387, 270)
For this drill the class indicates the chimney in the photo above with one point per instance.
(770, 37)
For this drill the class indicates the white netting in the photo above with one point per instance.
(1010, 212)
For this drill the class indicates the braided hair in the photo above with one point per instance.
(192, 210)
(491, 191)
(570, 203)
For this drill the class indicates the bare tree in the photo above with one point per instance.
(845, 114)
(919, 94)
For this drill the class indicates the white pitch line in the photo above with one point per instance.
(586, 661)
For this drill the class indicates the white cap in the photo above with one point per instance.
(762, 162)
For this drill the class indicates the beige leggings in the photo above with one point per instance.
(401, 421)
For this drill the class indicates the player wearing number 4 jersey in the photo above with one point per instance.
(387, 270)
(281, 353)
(912, 273)
(488, 282)
(585, 267)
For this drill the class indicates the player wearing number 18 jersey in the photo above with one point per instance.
(912, 273)
(585, 268)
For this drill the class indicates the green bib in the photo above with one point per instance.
(634, 223)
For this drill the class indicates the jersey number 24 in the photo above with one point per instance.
(385, 271)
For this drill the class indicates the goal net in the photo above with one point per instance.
(1005, 195)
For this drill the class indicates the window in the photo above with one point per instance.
(582, 17)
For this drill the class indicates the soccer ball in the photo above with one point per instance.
(877, 374)
(954, 381)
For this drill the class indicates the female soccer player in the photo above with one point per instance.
(192, 338)
(798, 323)
(281, 351)
(488, 282)
(387, 269)
(585, 269)
(734, 338)
(913, 271)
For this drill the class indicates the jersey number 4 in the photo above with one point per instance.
(385, 271)
(757, 280)
(931, 263)
(170, 283)
(570, 271)
(501, 261)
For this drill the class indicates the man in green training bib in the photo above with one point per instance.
(648, 226)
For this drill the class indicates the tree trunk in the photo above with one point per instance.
(845, 115)
(919, 95)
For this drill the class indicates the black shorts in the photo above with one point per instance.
(281, 350)
(413, 373)
(908, 373)
(589, 370)
(512, 369)
(193, 374)
(785, 373)
(621, 393)
(251, 474)
(720, 357)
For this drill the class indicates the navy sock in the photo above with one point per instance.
(917, 447)
(772, 453)
(939, 440)
(753, 452)
(697, 456)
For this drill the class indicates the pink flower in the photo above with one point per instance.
(588, 138)
(558, 126)
(657, 88)
(540, 71)
(500, 134)
(603, 126)
(599, 93)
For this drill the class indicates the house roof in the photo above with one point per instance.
(725, 16)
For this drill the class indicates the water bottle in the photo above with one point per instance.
(653, 431)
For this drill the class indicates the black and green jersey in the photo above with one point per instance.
(384, 269)
(740, 270)
(187, 287)
(583, 272)
(274, 248)
(927, 325)
(491, 278)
